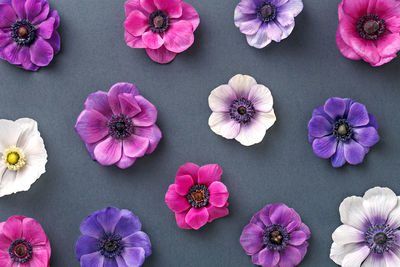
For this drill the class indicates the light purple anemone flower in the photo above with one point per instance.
(28, 36)
(119, 126)
(369, 235)
(276, 237)
(263, 21)
(342, 130)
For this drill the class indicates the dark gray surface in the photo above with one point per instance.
(302, 72)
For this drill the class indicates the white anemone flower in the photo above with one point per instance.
(242, 110)
(23, 155)
(369, 236)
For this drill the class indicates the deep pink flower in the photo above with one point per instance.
(119, 126)
(198, 196)
(163, 27)
(369, 30)
(23, 243)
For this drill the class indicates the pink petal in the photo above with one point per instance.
(189, 169)
(218, 194)
(356, 9)
(161, 55)
(269, 258)
(148, 114)
(180, 220)
(148, 5)
(152, 40)
(8, 16)
(5, 243)
(91, 126)
(183, 184)
(41, 258)
(134, 41)
(41, 52)
(135, 146)
(128, 104)
(190, 14)
(179, 36)
(346, 50)
(46, 28)
(11, 53)
(208, 174)
(174, 201)
(109, 151)
(136, 24)
(388, 44)
(387, 8)
(132, 5)
(197, 218)
(13, 227)
(297, 238)
(393, 24)
(33, 232)
(216, 213)
(365, 49)
(19, 8)
(280, 214)
(125, 161)
(172, 7)
(252, 238)
(99, 102)
(117, 89)
(152, 133)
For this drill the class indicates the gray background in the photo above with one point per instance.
(301, 71)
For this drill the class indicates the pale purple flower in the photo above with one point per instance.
(242, 110)
(263, 21)
(369, 235)
(119, 126)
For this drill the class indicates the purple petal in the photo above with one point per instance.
(93, 260)
(373, 121)
(117, 89)
(268, 258)
(19, 8)
(274, 32)
(43, 14)
(279, 214)
(125, 161)
(108, 152)
(325, 147)
(54, 14)
(297, 238)
(319, 126)
(152, 133)
(139, 239)
(335, 107)
(285, 18)
(128, 224)
(55, 42)
(110, 263)
(91, 126)
(133, 256)
(46, 28)
(41, 52)
(250, 27)
(11, 53)
(86, 245)
(8, 16)
(279, 3)
(320, 111)
(366, 136)
(25, 59)
(99, 102)
(108, 218)
(305, 229)
(260, 39)
(91, 227)
(293, 7)
(251, 239)
(338, 160)
(358, 115)
(128, 104)
(247, 7)
(240, 17)
(291, 256)
(147, 116)
(33, 8)
(354, 152)
(303, 249)
(135, 146)
(286, 30)
(5, 38)
(265, 220)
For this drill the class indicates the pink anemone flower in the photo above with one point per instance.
(198, 196)
(163, 27)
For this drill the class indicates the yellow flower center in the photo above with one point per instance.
(14, 158)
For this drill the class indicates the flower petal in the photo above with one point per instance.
(346, 234)
(11, 53)
(216, 213)
(139, 239)
(325, 147)
(128, 224)
(116, 90)
(222, 124)
(389, 44)
(218, 194)
(13, 227)
(125, 161)
(91, 227)
(33, 232)
(335, 107)
(354, 152)
(129, 105)
(19, 8)
(190, 14)
(338, 159)
(197, 218)
(291, 256)
(280, 214)
(261, 98)
(135, 146)
(136, 23)
(108, 218)
(148, 5)
(93, 260)
(147, 116)
(46, 28)
(86, 245)
(254, 131)
(161, 55)
(55, 42)
(152, 40)
(183, 184)
(132, 5)
(109, 151)
(252, 239)
(188, 169)
(356, 258)
(394, 216)
(260, 39)
(172, 7)
(99, 102)
(221, 98)
(250, 27)
(346, 50)
(152, 133)
(134, 41)
(133, 256)
(242, 84)
(297, 238)
(91, 126)
(208, 174)
(366, 136)
(248, 7)
(356, 9)
(9, 134)
(378, 203)
(358, 115)
(41, 52)
(353, 213)
(8, 16)
(268, 258)
(338, 252)
(174, 201)
(319, 126)
(180, 220)
(274, 32)
(293, 7)
(179, 36)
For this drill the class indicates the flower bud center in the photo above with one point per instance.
(158, 21)
(266, 11)
(371, 26)
(276, 237)
(342, 129)
(13, 158)
(242, 110)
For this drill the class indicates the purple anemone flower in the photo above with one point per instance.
(263, 21)
(276, 237)
(112, 238)
(28, 36)
(342, 130)
(119, 126)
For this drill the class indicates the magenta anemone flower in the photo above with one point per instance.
(23, 243)
(28, 36)
(119, 126)
(342, 130)
(198, 196)
(163, 27)
(276, 237)
(369, 30)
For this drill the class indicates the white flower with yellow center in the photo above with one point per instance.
(23, 155)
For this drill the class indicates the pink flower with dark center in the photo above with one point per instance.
(369, 30)
(163, 27)
(23, 243)
(198, 196)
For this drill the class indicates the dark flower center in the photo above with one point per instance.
(266, 11)
(120, 126)
(110, 245)
(370, 27)
(342, 130)
(20, 251)
(276, 237)
(23, 32)
(159, 21)
(380, 238)
(198, 196)
(242, 110)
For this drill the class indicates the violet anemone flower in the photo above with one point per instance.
(369, 30)
(263, 21)
(163, 27)
(342, 130)
(112, 238)
(197, 196)
(28, 36)
(369, 235)
(276, 237)
(119, 126)
(242, 110)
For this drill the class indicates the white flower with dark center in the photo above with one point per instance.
(23, 155)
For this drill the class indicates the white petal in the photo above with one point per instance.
(338, 252)
(346, 234)
(260, 39)
(355, 258)
(352, 212)
(376, 260)
(28, 126)
(378, 203)
(27, 175)
(7, 183)
(254, 131)
(222, 124)
(9, 134)
(260, 96)
(266, 118)
(242, 84)
(294, 7)
(394, 216)
(221, 98)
